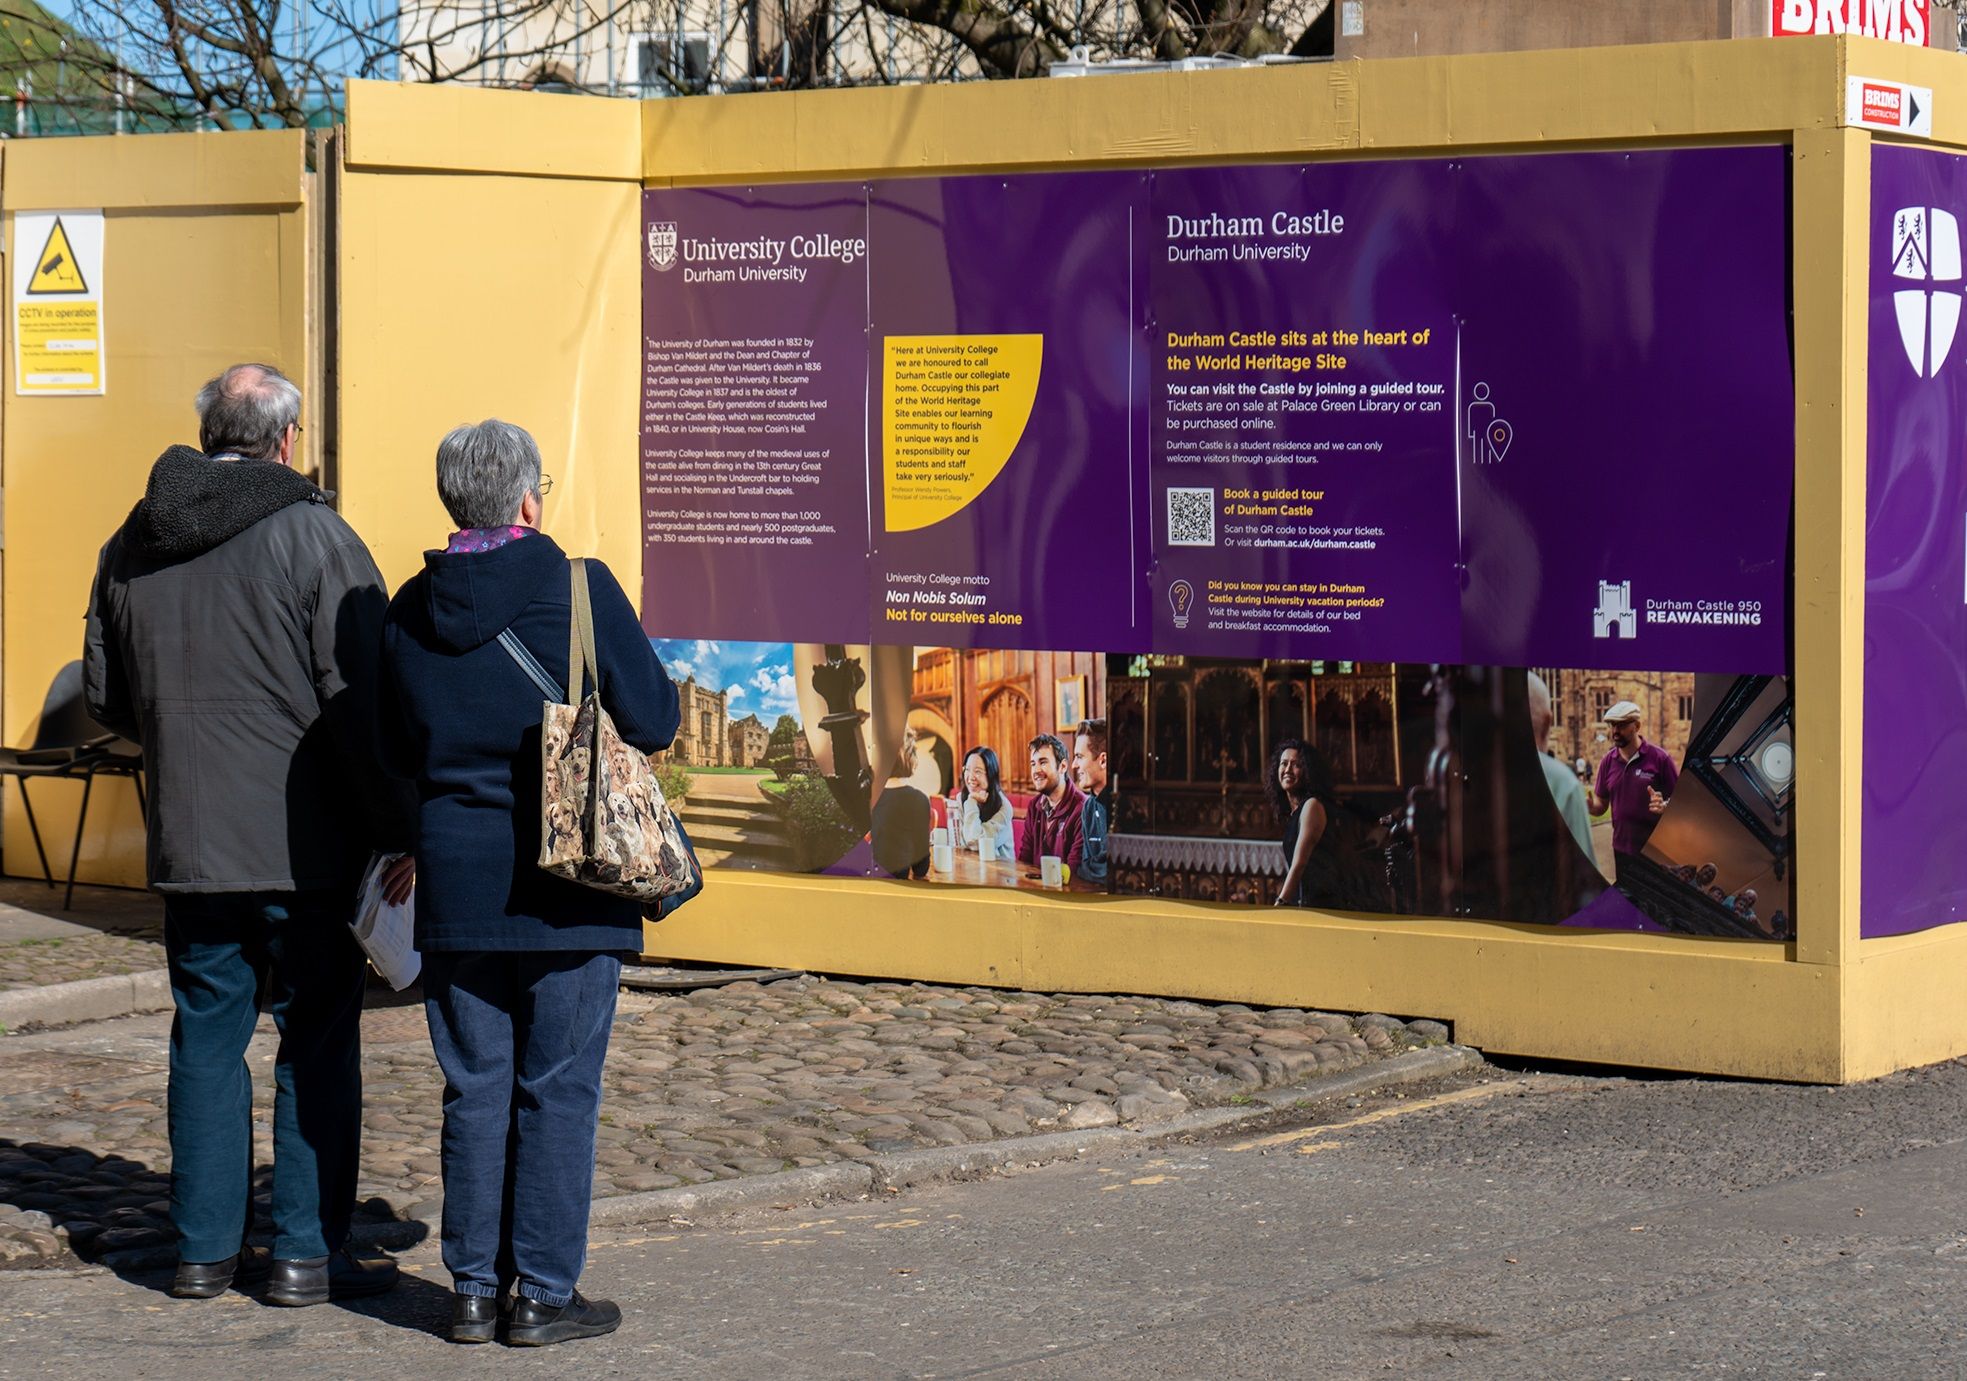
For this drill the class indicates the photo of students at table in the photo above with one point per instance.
(995, 838)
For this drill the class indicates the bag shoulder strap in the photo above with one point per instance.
(528, 663)
(580, 635)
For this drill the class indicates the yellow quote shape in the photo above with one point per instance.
(953, 410)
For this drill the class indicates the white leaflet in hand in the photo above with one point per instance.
(386, 932)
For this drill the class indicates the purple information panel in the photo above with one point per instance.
(1003, 482)
(1475, 411)
(1459, 411)
(754, 412)
(1303, 470)
(1464, 487)
(1630, 497)
(1914, 873)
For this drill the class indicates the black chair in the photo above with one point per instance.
(69, 745)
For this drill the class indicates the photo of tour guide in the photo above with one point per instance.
(1010, 795)
(1610, 743)
(1635, 780)
(1717, 861)
(1682, 786)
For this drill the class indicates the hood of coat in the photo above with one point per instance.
(192, 503)
(473, 596)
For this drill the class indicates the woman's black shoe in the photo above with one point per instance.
(535, 1324)
(474, 1318)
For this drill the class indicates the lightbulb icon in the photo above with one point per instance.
(1181, 595)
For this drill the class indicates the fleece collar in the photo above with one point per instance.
(193, 503)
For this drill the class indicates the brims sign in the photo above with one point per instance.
(1897, 21)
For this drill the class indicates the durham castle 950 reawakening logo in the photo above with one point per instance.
(1616, 616)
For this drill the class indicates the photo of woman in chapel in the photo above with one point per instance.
(1437, 803)
(1325, 862)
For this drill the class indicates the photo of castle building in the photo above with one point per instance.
(704, 740)
(749, 738)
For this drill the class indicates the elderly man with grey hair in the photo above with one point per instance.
(234, 631)
(520, 967)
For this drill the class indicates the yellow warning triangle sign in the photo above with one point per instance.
(56, 271)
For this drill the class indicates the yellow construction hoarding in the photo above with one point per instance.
(489, 253)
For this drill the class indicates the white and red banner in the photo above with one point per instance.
(1890, 106)
(1899, 21)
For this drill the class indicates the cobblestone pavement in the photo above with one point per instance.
(123, 910)
(109, 931)
(65, 959)
(714, 1084)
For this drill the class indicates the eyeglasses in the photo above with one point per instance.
(546, 485)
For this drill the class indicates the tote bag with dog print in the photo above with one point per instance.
(604, 822)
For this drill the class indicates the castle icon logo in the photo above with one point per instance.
(1926, 251)
(1614, 617)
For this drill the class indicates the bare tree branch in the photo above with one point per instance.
(1002, 39)
(250, 63)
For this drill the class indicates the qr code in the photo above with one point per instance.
(1191, 517)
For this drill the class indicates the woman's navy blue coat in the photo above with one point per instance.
(463, 722)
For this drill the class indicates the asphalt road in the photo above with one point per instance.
(1514, 1223)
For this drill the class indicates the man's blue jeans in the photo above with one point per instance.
(223, 950)
(521, 1037)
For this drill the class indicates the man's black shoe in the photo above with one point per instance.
(474, 1318)
(318, 1279)
(208, 1279)
(535, 1324)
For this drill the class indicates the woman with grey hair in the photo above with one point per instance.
(520, 968)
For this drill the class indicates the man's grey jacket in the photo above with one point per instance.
(234, 631)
